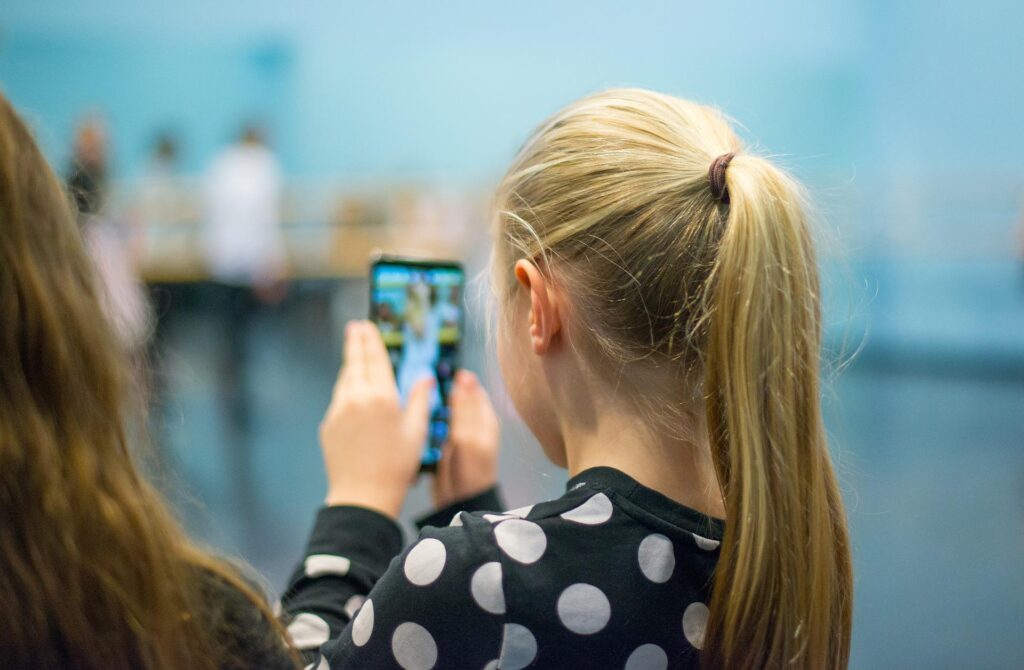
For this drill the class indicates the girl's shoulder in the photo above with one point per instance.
(593, 573)
(592, 514)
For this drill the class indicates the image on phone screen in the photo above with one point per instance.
(417, 305)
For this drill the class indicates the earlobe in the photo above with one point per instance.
(544, 318)
(538, 343)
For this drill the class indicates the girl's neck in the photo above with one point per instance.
(678, 469)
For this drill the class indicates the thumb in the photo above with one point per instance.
(460, 400)
(417, 407)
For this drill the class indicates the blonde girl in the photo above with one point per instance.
(659, 334)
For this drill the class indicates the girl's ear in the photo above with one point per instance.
(545, 321)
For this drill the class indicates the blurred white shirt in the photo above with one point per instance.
(243, 239)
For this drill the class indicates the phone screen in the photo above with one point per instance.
(417, 305)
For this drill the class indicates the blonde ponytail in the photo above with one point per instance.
(681, 292)
(785, 563)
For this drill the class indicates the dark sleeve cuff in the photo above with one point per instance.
(486, 501)
(358, 533)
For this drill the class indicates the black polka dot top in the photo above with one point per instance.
(610, 575)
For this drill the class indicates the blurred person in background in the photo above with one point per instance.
(161, 211)
(244, 243)
(659, 335)
(160, 194)
(87, 174)
(95, 574)
(245, 254)
(114, 244)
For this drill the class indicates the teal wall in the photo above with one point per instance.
(409, 89)
(451, 88)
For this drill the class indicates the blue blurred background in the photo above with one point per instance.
(903, 118)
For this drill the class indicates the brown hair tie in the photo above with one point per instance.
(716, 176)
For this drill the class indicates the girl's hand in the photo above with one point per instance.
(372, 447)
(469, 464)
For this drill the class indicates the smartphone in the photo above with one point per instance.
(418, 307)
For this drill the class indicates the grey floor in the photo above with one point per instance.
(927, 427)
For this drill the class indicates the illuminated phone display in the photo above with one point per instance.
(417, 305)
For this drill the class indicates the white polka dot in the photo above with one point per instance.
(308, 631)
(456, 520)
(518, 647)
(425, 561)
(485, 585)
(322, 665)
(705, 543)
(584, 609)
(327, 564)
(521, 512)
(695, 618)
(647, 657)
(657, 558)
(495, 518)
(596, 510)
(521, 540)
(362, 625)
(414, 648)
(353, 604)
(493, 665)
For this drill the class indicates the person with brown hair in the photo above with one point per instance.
(94, 572)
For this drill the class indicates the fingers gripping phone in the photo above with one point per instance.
(418, 307)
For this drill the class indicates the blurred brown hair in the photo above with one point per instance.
(94, 571)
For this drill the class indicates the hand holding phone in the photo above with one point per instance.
(470, 463)
(371, 444)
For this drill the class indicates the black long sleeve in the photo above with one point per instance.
(611, 575)
(349, 551)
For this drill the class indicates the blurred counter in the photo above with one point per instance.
(330, 231)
